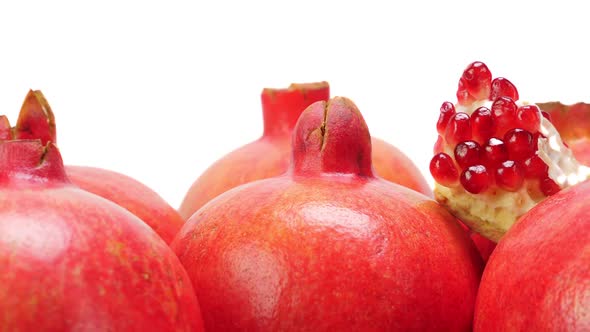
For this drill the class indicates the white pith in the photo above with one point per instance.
(493, 212)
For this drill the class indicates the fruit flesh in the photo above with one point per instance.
(70, 260)
(312, 249)
(573, 123)
(270, 155)
(538, 277)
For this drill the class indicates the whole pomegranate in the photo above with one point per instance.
(538, 278)
(573, 123)
(496, 156)
(269, 155)
(73, 261)
(37, 121)
(328, 246)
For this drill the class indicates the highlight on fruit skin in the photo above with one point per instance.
(496, 156)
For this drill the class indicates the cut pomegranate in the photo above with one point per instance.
(508, 154)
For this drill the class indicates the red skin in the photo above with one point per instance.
(270, 155)
(484, 245)
(130, 194)
(70, 260)
(538, 278)
(37, 121)
(573, 124)
(328, 246)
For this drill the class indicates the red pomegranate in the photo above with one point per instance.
(573, 123)
(496, 157)
(36, 120)
(538, 278)
(269, 155)
(73, 261)
(328, 246)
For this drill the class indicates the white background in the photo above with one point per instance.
(159, 90)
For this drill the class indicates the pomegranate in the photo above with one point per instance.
(269, 155)
(328, 246)
(496, 157)
(73, 261)
(573, 123)
(538, 278)
(37, 121)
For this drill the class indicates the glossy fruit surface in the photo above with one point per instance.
(328, 246)
(73, 261)
(270, 155)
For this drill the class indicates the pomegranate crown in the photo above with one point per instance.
(332, 137)
(28, 154)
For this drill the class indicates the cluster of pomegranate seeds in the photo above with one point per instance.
(495, 146)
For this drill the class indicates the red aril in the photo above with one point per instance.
(269, 155)
(328, 246)
(522, 163)
(37, 121)
(538, 278)
(73, 261)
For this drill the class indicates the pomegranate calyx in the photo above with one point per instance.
(28, 162)
(281, 107)
(5, 128)
(332, 137)
(36, 119)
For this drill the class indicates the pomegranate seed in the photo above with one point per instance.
(502, 87)
(535, 167)
(494, 152)
(528, 117)
(504, 115)
(476, 81)
(475, 179)
(443, 169)
(458, 129)
(549, 187)
(482, 124)
(509, 176)
(519, 144)
(546, 115)
(467, 154)
(447, 110)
